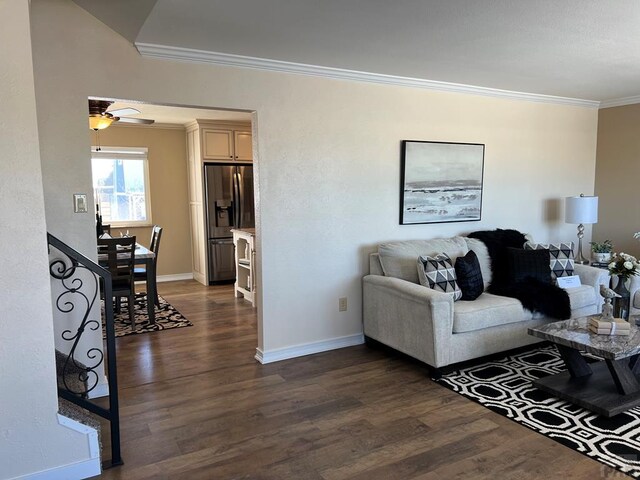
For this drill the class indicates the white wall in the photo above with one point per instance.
(31, 440)
(328, 160)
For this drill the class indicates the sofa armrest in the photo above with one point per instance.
(411, 318)
(594, 277)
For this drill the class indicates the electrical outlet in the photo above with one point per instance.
(342, 304)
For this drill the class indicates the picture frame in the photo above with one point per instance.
(441, 182)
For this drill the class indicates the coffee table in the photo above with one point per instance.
(606, 387)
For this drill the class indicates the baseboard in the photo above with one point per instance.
(285, 353)
(174, 277)
(200, 278)
(101, 389)
(84, 469)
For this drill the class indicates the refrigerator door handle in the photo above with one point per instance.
(240, 196)
(237, 200)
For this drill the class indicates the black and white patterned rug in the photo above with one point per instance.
(167, 317)
(504, 386)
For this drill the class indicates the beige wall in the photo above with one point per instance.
(168, 190)
(328, 160)
(617, 174)
(31, 438)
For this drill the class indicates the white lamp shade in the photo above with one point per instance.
(581, 210)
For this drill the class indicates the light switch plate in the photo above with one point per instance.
(80, 203)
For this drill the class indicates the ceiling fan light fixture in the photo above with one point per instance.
(100, 122)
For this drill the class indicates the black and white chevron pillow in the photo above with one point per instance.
(561, 260)
(438, 273)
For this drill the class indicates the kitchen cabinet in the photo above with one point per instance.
(227, 145)
(244, 241)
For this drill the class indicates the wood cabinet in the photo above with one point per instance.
(212, 142)
(235, 145)
(245, 285)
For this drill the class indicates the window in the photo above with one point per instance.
(121, 185)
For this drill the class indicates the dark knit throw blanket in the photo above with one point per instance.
(534, 295)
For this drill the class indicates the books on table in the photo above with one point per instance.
(615, 326)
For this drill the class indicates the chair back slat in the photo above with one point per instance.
(118, 256)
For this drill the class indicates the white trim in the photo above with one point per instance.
(123, 153)
(174, 277)
(619, 102)
(217, 58)
(200, 278)
(83, 469)
(101, 389)
(308, 348)
(91, 433)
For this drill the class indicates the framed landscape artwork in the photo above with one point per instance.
(441, 182)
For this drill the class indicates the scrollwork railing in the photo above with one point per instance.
(80, 365)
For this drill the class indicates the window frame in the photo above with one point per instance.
(126, 153)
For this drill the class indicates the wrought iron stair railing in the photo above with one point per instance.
(79, 292)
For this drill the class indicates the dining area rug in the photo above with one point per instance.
(504, 386)
(167, 318)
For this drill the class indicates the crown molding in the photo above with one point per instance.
(225, 59)
(619, 102)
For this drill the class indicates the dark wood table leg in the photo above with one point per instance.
(151, 289)
(576, 364)
(626, 382)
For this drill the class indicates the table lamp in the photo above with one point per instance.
(580, 210)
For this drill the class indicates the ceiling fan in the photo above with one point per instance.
(99, 118)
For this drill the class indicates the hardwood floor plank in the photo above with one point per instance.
(196, 405)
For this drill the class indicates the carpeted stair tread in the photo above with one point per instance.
(71, 380)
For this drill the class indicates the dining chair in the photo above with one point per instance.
(140, 273)
(118, 255)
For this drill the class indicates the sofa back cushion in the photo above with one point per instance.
(399, 259)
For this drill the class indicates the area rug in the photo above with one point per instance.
(167, 317)
(504, 386)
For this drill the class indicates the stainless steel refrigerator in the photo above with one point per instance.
(229, 203)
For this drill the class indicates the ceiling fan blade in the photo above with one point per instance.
(143, 121)
(119, 112)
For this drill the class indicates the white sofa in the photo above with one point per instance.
(429, 326)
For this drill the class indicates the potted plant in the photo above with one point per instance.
(602, 251)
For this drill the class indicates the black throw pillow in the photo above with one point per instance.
(524, 264)
(469, 276)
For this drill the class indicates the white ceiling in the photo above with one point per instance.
(586, 49)
(179, 115)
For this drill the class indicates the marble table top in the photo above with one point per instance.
(574, 333)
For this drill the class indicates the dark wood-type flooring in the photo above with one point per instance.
(195, 404)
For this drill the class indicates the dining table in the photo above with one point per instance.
(144, 256)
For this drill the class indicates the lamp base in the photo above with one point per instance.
(580, 260)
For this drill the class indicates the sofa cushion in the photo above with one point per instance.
(398, 259)
(487, 311)
(438, 274)
(484, 259)
(561, 259)
(523, 264)
(469, 276)
(582, 296)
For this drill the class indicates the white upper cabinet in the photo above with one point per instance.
(243, 144)
(227, 145)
